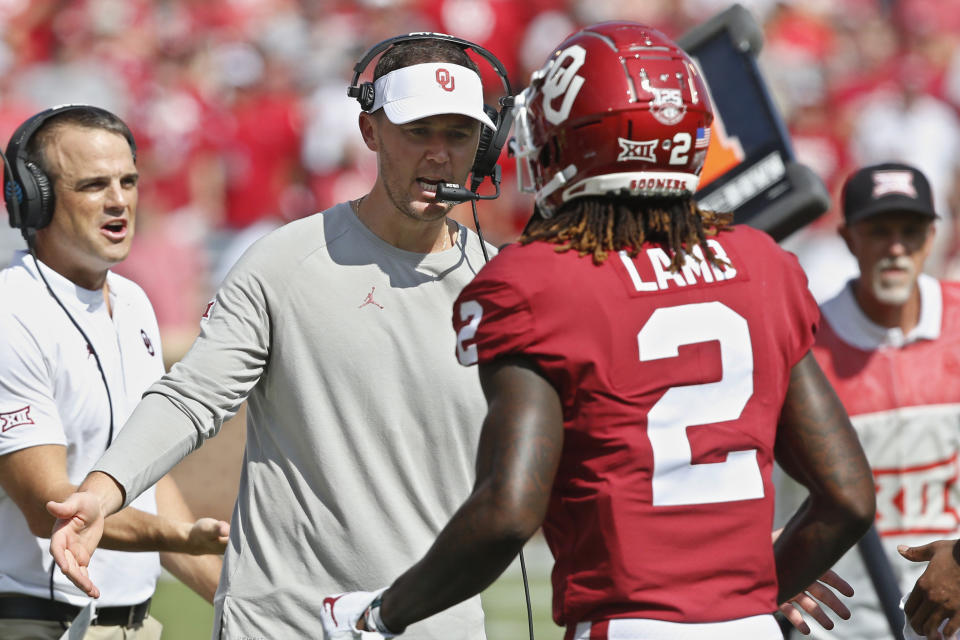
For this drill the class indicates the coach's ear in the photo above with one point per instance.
(368, 129)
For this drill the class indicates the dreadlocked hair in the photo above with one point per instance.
(598, 225)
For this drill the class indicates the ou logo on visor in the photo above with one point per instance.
(445, 80)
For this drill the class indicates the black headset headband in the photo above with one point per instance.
(21, 137)
(380, 47)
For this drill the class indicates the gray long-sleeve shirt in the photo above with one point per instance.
(362, 426)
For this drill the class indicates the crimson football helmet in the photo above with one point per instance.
(618, 108)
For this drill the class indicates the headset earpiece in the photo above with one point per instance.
(492, 142)
(366, 96)
(31, 190)
(12, 196)
(39, 216)
(481, 164)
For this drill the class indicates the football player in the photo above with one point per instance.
(644, 363)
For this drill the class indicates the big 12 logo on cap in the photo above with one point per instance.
(886, 182)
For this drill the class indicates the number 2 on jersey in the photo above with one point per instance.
(677, 480)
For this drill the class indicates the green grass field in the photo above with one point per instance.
(185, 616)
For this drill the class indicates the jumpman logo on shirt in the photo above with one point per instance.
(369, 299)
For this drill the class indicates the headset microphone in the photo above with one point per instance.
(453, 192)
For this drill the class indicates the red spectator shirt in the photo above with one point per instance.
(671, 386)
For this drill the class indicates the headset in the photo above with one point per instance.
(28, 190)
(491, 142)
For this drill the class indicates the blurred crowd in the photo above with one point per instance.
(240, 111)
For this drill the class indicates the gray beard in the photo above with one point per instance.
(892, 295)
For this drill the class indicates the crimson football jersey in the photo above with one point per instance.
(671, 386)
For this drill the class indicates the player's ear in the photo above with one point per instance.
(368, 129)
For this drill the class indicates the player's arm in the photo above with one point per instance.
(520, 447)
(817, 446)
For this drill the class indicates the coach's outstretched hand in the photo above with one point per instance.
(75, 537)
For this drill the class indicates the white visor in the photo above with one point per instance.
(430, 89)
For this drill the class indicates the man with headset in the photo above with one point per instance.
(362, 428)
(78, 346)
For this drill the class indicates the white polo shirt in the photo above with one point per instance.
(51, 392)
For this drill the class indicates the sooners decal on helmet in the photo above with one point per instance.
(563, 81)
